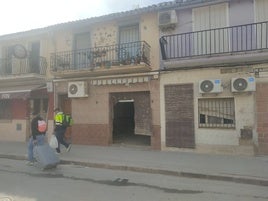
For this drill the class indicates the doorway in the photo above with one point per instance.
(81, 42)
(65, 105)
(179, 112)
(123, 124)
(127, 118)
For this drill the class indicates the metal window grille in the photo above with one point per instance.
(216, 113)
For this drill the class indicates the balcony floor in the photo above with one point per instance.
(103, 71)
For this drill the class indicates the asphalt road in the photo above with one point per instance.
(71, 182)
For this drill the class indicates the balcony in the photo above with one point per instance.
(22, 67)
(105, 60)
(230, 45)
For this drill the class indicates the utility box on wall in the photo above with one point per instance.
(246, 134)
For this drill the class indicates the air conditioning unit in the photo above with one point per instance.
(167, 19)
(210, 86)
(243, 84)
(77, 89)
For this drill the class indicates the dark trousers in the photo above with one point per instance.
(59, 132)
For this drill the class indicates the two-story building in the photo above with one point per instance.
(106, 75)
(212, 82)
(184, 74)
(104, 71)
(23, 83)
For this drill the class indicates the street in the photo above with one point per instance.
(71, 182)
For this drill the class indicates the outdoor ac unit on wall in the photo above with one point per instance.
(243, 84)
(210, 86)
(77, 89)
(167, 19)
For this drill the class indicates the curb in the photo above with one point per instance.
(237, 179)
(14, 157)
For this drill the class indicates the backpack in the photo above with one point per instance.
(42, 126)
(67, 120)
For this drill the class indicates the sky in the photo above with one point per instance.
(18, 15)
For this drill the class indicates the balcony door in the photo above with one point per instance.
(128, 42)
(34, 59)
(261, 15)
(7, 64)
(207, 38)
(81, 57)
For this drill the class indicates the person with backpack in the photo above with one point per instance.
(38, 130)
(60, 129)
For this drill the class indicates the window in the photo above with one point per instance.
(216, 113)
(5, 109)
(210, 18)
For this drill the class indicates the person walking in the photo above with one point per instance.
(37, 137)
(60, 130)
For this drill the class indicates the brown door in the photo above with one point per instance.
(179, 110)
(66, 106)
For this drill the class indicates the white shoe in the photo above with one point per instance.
(30, 163)
(69, 148)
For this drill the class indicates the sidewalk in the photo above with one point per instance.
(242, 169)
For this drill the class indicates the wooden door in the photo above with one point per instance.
(179, 110)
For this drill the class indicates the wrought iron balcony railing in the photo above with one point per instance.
(235, 39)
(18, 66)
(133, 53)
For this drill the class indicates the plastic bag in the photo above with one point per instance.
(53, 142)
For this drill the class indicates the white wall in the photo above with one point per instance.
(18, 135)
(13, 134)
(244, 105)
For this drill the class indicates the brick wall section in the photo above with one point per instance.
(51, 105)
(19, 109)
(262, 117)
(89, 134)
(156, 138)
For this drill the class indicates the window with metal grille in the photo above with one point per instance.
(5, 109)
(216, 113)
